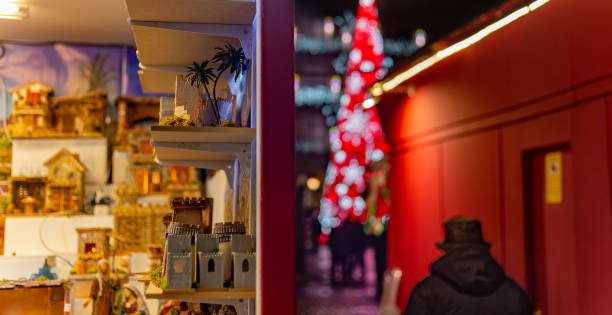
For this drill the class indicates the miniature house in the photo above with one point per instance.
(132, 112)
(81, 115)
(148, 176)
(31, 106)
(179, 269)
(93, 245)
(66, 182)
(23, 187)
(210, 261)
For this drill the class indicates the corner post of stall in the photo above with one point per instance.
(275, 157)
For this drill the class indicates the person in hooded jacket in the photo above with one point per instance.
(466, 280)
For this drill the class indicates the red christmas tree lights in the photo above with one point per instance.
(358, 138)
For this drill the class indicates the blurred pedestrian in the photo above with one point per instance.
(467, 280)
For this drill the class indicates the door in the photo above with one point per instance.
(551, 236)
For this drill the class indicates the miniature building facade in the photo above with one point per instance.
(81, 115)
(93, 245)
(179, 271)
(23, 187)
(243, 253)
(30, 108)
(139, 226)
(66, 177)
(189, 97)
(192, 211)
(210, 262)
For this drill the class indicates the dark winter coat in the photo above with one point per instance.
(468, 281)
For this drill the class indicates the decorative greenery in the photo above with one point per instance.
(226, 58)
(186, 251)
(215, 251)
(157, 278)
(250, 251)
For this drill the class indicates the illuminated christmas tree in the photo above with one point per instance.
(358, 139)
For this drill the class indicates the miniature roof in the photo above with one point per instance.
(74, 158)
(44, 86)
(93, 229)
(87, 97)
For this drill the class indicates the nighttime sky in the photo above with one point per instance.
(400, 18)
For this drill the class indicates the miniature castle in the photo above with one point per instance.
(193, 255)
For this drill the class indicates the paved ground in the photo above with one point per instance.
(317, 297)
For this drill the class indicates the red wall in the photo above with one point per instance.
(458, 143)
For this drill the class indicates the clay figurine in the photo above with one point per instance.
(103, 290)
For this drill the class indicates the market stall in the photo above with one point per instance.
(133, 176)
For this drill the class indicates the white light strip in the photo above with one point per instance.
(536, 4)
(440, 55)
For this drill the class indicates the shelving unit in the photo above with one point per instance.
(171, 35)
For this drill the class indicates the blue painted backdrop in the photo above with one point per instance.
(72, 69)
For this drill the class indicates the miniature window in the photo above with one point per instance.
(211, 265)
(178, 266)
(56, 171)
(90, 248)
(245, 266)
(72, 176)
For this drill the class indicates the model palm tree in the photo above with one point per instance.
(227, 58)
(201, 74)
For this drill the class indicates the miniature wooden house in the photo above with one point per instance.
(81, 115)
(133, 111)
(31, 107)
(22, 187)
(93, 243)
(66, 182)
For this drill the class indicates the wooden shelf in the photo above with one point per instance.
(164, 47)
(204, 147)
(154, 81)
(199, 295)
(233, 135)
(240, 12)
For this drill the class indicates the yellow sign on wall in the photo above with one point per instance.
(554, 177)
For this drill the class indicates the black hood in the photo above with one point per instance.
(470, 269)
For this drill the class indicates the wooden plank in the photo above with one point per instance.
(193, 11)
(239, 135)
(154, 292)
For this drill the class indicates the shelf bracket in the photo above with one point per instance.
(241, 150)
(242, 32)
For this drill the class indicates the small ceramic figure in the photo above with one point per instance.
(103, 290)
(133, 302)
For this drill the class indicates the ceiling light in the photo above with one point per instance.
(13, 11)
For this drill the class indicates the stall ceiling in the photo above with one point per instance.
(73, 21)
